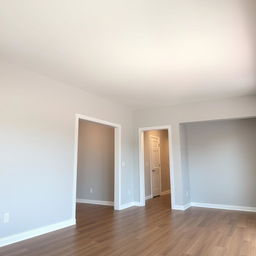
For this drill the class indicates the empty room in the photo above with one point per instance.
(127, 128)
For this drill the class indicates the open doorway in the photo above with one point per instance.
(97, 162)
(155, 166)
(156, 163)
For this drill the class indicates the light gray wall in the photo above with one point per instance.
(184, 165)
(222, 162)
(164, 151)
(37, 132)
(240, 107)
(95, 161)
(37, 125)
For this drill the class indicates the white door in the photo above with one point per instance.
(155, 165)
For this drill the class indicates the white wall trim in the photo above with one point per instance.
(178, 207)
(35, 232)
(148, 197)
(128, 205)
(137, 204)
(89, 201)
(174, 207)
(186, 206)
(224, 207)
(181, 207)
(117, 175)
(125, 206)
(141, 162)
(215, 206)
(166, 192)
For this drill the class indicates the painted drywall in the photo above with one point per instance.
(241, 107)
(95, 170)
(221, 161)
(37, 127)
(184, 164)
(164, 158)
(37, 135)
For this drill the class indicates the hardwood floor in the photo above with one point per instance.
(152, 230)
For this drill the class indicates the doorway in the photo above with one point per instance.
(154, 163)
(116, 163)
(156, 179)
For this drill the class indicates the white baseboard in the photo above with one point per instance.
(138, 204)
(89, 201)
(166, 192)
(224, 207)
(178, 207)
(121, 207)
(35, 232)
(181, 207)
(148, 197)
(186, 206)
(128, 205)
(125, 206)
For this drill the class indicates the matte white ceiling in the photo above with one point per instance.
(143, 53)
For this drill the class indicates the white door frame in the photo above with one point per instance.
(141, 162)
(160, 171)
(117, 172)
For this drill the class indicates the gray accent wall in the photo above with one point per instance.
(230, 108)
(95, 174)
(164, 152)
(222, 162)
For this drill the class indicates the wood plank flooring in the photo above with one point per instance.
(142, 231)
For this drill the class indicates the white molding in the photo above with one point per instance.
(186, 206)
(178, 207)
(215, 206)
(163, 127)
(141, 162)
(128, 205)
(36, 232)
(118, 167)
(224, 207)
(137, 203)
(89, 201)
(166, 192)
(141, 166)
(96, 120)
(148, 197)
(181, 207)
